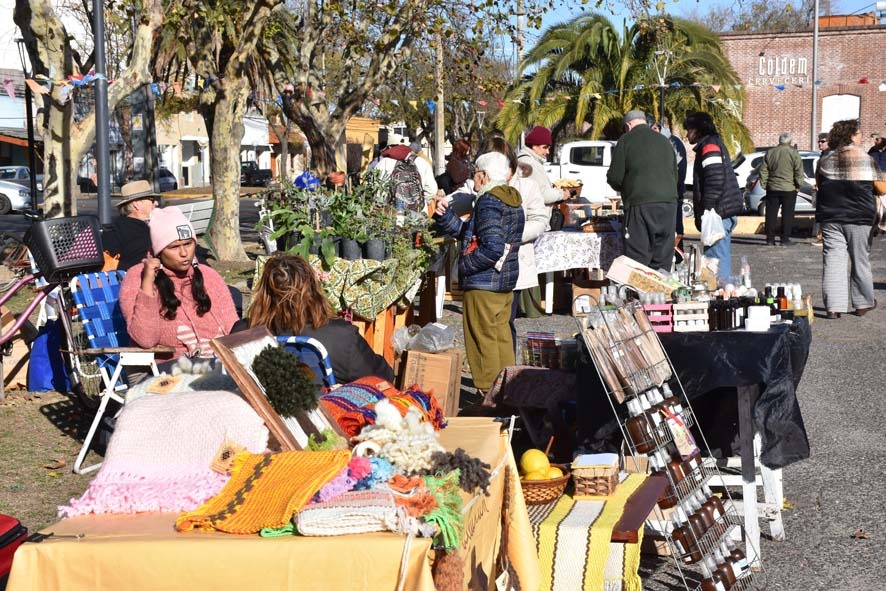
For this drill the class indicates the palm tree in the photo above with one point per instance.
(584, 73)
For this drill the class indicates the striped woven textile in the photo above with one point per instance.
(573, 542)
(265, 490)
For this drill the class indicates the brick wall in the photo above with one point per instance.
(845, 57)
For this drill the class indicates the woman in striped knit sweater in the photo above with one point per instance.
(169, 299)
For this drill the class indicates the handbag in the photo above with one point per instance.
(557, 219)
(12, 534)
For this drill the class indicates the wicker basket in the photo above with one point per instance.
(595, 481)
(539, 492)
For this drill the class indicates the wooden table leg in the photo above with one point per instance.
(746, 397)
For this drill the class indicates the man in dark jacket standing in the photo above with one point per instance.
(714, 185)
(782, 176)
(644, 171)
(488, 267)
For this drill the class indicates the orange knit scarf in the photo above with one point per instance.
(265, 490)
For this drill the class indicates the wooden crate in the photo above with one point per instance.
(690, 317)
(660, 317)
(378, 332)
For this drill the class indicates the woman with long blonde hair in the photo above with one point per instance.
(289, 300)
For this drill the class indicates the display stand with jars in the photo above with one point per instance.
(703, 531)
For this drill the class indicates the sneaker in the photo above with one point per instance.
(770, 242)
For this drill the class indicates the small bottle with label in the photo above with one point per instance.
(638, 427)
(671, 401)
(724, 568)
(696, 508)
(713, 501)
(782, 299)
(684, 538)
(737, 557)
(711, 579)
(695, 468)
(653, 416)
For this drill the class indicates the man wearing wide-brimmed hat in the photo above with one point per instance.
(130, 236)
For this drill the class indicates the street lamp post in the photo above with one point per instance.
(102, 124)
(661, 71)
(32, 159)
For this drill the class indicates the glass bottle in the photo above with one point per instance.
(694, 520)
(713, 501)
(638, 428)
(737, 557)
(707, 518)
(711, 579)
(694, 467)
(670, 401)
(782, 299)
(724, 568)
(683, 538)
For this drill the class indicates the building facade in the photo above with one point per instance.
(776, 70)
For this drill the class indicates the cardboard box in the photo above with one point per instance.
(436, 373)
(14, 366)
(585, 294)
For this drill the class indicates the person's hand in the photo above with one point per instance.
(441, 204)
(567, 195)
(149, 272)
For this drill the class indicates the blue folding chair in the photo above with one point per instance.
(96, 296)
(312, 353)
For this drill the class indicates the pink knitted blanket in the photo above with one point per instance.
(160, 454)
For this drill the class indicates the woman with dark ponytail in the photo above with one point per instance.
(169, 298)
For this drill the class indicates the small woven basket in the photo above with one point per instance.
(539, 492)
(595, 481)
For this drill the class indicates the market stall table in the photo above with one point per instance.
(564, 250)
(770, 363)
(144, 551)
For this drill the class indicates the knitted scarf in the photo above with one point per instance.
(265, 490)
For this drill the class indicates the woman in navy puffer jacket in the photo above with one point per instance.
(488, 267)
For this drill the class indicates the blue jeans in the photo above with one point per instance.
(722, 250)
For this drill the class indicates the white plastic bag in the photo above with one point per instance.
(711, 228)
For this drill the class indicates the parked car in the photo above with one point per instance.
(587, 161)
(20, 175)
(14, 197)
(166, 181)
(755, 192)
(253, 176)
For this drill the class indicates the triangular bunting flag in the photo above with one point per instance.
(413, 104)
(9, 85)
(715, 87)
(431, 105)
(482, 103)
(779, 87)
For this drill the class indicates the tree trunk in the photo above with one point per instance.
(223, 114)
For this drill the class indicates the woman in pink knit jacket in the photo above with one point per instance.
(170, 299)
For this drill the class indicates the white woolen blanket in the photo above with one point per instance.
(159, 456)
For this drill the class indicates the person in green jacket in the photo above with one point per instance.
(644, 171)
(781, 174)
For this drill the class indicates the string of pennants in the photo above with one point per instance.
(42, 85)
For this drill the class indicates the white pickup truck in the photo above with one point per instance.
(587, 161)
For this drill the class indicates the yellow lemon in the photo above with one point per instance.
(554, 472)
(539, 475)
(534, 460)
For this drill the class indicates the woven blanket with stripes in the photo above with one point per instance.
(573, 542)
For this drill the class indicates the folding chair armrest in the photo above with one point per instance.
(159, 349)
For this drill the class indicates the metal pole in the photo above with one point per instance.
(102, 126)
(813, 133)
(440, 109)
(29, 113)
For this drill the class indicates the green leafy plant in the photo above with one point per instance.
(285, 381)
(348, 219)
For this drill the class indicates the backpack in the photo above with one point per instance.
(406, 187)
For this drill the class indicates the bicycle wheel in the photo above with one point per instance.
(83, 370)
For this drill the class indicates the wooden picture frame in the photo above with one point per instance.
(236, 352)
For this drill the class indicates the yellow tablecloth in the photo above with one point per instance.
(143, 552)
(573, 540)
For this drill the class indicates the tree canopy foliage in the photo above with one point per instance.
(761, 16)
(587, 74)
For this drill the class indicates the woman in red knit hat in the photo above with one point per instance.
(535, 154)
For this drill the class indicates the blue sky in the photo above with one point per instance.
(678, 7)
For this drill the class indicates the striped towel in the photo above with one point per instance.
(573, 543)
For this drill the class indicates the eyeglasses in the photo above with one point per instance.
(822, 141)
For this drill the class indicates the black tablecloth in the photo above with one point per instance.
(705, 363)
(774, 359)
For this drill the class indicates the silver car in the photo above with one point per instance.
(755, 192)
(13, 197)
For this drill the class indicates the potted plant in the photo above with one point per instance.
(290, 211)
(374, 194)
(348, 222)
